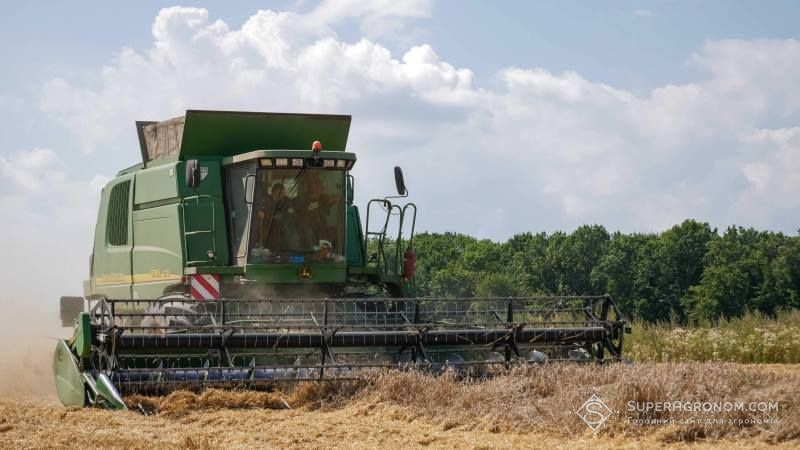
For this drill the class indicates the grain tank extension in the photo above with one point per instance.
(233, 256)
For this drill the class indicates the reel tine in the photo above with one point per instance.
(262, 342)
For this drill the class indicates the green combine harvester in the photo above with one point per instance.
(233, 256)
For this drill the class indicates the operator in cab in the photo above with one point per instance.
(314, 209)
(274, 214)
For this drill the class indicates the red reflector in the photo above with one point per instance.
(204, 287)
(409, 264)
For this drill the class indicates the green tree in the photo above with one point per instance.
(437, 252)
(496, 285)
(452, 281)
(575, 256)
(731, 276)
(683, 248)
(688, 271)
(654, 290)
(527, 264)
(615, 272)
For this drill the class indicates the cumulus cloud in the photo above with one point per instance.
(534, 150)
(378, 18)
(771, 170)
(43, 199)
(29, 170)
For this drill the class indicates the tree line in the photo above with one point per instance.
(689, 272)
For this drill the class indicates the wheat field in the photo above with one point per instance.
(523, 409)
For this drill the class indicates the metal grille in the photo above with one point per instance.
(117, 222)
(160, 345)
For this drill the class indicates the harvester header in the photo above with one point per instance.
(234, 256)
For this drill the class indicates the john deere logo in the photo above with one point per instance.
(304, 273)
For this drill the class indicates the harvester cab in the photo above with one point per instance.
(234, 256)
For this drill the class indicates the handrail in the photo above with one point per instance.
(400, 211)
(386, 205)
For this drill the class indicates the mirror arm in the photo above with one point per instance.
(396, 196)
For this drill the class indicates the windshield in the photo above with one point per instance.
(298, 216)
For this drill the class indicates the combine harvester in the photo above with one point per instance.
(233, 257)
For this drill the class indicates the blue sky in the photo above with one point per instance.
(507, 117)
(621, 43)
(633, 45)
(638, 45)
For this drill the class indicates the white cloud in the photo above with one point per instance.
(542, 150)
(45, 192)
(334, 11)
(262, 65)
(31, 170)
(772, 175)
(377, 18)
(48, 216)
(98, 182)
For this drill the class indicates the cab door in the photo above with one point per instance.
(239, 188)
(111, 266)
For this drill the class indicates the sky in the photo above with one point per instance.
(505, 116)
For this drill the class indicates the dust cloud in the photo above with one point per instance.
(41, 263)
(27, 339)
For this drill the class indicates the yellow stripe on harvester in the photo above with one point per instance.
(116, 279)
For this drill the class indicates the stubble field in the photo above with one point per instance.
(524, 409)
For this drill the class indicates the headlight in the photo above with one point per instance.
(328, 163)
(281, 162)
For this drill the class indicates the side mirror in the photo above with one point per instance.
(350, 189)
(399, 181)
(192, 173)
(249, 187)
